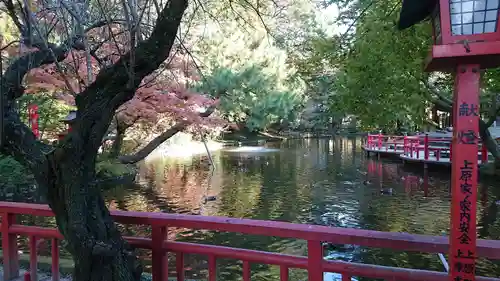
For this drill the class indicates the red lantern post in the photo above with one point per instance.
(33, 119)
(464, 173)
(466, 40)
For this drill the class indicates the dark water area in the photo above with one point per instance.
(326, 182)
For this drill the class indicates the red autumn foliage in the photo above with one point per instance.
(164, 94)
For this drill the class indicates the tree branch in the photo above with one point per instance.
(484, 132)
(113, 86)
(493, 117)
(152, 145)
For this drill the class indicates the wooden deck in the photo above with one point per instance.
(384, 150)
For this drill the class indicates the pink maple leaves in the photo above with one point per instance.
(162, 97)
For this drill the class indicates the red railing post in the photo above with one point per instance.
(379, 141)
(284, 273)
(426, 147)
(212, 268)
(246, 271)
(314, 260)
(159, 256)
(405, 142)
(179, 261)
(484, 153)
(9, 248)
(33, 258)
(55, 259)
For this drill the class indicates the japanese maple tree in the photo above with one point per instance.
(65, 173)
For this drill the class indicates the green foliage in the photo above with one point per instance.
(108, 168)
(251, 97)
(13, 174)
(381, 80)
(248, 58)
(379, 74)
(50, 110)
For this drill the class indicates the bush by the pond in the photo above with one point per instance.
(112, 168)
(15, 178)
(13, 175)
(110, 173)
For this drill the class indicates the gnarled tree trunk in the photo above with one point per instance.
(98, 250)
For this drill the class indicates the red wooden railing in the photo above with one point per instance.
(314, 262)
(415, 145)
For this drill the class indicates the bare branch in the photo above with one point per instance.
(153, 144)
(11, 11)
(112, 86)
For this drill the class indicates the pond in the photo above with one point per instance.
(326, 182)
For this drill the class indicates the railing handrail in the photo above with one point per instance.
(314, 235)
(419, 137)
(361, 237)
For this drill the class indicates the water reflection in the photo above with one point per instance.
(317, 181)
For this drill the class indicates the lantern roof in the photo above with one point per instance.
(70, 117)
(415, 11)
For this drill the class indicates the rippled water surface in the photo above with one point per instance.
(315, 181)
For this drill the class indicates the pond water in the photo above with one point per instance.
(326, 182)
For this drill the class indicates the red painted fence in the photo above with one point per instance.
(415, 145)
(314, 235)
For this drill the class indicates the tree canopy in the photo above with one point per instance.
(379, 69)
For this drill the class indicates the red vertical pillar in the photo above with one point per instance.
(464, 173)
(426, 182)
(33, 119)
(9, 248)
(159, 256)
(484, 153)
(426, 147)
(314, 260)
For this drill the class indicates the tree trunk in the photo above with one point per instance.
(489, 141)
(118, 142)
(153, 144)
(484, 133)
(98, 250)
(435, 116)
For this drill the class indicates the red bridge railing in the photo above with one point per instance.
(314, 262)
(416, 145)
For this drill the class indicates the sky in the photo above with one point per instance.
(326, 17)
